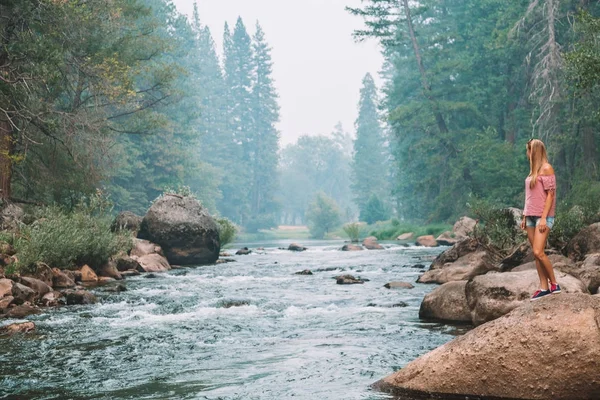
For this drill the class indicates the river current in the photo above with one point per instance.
(176, 336)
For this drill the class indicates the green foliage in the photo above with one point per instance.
(496, 226)
(353, 230)
(579, 210)
(390, 230)
(68, 240)
(254, 224)
(374, 210)
(227, 231)
(323, 215)
(370, 166)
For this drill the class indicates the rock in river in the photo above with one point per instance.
(546, 349)
(184, 229)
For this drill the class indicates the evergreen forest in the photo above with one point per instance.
(131, 98)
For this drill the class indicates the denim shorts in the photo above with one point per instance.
(532, 222)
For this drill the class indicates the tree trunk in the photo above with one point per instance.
(6, 150)
(441, 123)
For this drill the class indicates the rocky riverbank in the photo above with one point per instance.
(175, 223)
(520, 349)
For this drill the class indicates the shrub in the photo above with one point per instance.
(353, 231)
(227, 231)
(497, 227)
(323, 215)
(374, 210)
(69, 239)
(254, 224)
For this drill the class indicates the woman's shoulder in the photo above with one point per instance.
(547, 169)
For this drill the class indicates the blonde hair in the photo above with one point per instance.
(537, 158)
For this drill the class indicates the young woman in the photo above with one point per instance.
(538, 215)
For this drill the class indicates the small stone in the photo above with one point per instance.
(398, 285)
(23, 327)
(88, 275)
(305, 272)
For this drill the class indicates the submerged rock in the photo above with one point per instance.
(398, 285)
(296, 247)
(348, 280)
(13, 329)
(371, 243)
(514, 356)
(184, 229)
(243, 252)
(352, 247)
(20, 312)
(305, 272)
(75, 297)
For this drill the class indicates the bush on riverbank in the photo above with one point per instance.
(67, 239)
(227, 231)
(390, 230)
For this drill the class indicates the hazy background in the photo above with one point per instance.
(318, 66)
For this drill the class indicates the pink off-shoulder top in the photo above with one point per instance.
(535, 198)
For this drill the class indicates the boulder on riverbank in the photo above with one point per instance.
(464, 227)
(515, 356)
(183, 228)
(446, 303)
(126, 220)
(585, 242)
(13, 329)
(464, 268)
(426, 241)
(406, 236)
(446, 239)
(496, 294)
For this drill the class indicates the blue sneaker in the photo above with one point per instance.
(554, 288)
(539, 294)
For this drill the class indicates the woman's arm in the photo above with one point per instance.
(547, 170)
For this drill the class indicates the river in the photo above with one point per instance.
(173, 336)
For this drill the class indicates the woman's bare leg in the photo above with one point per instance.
(539, 244)
(543, 275)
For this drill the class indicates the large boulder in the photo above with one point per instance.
(457, 251)
(126, 220)
(12, 329)
(514, 357)
(110, 270)
(126, 263)
(42, 272)
(183, 228)
(152, 263)
(585, 242)
(38, 286)
(371, 243)
(426, 241)
(464, 227)
(11, 216)
(143, 247)
(61, 280)
(555, 259)
(21, 293)
(494, 295)
(446, 303)
(465, 268)
(519, 255)
(587, 271)
(446, 239)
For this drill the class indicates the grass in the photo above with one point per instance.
(280, 233)
(390, 230)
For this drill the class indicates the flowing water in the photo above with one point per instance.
(289, 336)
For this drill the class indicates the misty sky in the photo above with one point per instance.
(318, 67)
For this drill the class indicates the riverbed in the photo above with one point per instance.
(250, 329)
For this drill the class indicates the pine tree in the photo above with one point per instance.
(370, 164)
(238, 80)
(263, 143)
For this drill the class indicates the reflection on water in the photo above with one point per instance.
(244, 330)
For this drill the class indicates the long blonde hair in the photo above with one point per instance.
(537, 158)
